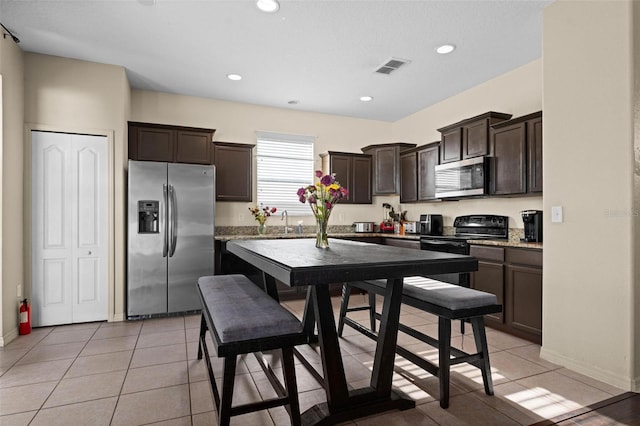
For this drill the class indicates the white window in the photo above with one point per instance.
(285, 163)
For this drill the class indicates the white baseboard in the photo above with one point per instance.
(118, 318)
(608, 377)
(7, 338)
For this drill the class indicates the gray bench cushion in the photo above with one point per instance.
(241, 311)
(449, 296)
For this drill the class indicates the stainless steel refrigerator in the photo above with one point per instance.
(170, 235)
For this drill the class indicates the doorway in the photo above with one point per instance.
(69, 228)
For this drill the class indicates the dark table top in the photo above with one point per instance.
(298, 262)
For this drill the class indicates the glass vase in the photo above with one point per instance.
(262, 229)
(322, 240)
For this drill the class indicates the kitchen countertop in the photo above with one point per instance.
(274, 236)
(507, 243)
(411, 237)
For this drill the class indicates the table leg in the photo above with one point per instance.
(333, 369)
(343, 405)
(382, 375)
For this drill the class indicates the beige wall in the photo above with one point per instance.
(589, 318)
(518, 92)
(75, 96)
(11, 241)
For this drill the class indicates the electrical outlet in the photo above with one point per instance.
(556, 214)
(19, 290)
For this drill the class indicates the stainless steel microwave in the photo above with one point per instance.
(462, 178)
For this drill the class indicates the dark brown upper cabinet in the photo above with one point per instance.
(428, 159)
(353, 171)
(534, 153)
(386, 166)
(516, 163)
(234, 164)
(417, 173)
(468, 138)
(408, 177)
(172, 144)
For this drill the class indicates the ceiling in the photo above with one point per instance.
(321, 53)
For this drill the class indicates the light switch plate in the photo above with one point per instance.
(556, 214)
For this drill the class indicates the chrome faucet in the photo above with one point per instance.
(285, 217)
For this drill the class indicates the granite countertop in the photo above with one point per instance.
(272, 236)
(507, 243)
(512, 242)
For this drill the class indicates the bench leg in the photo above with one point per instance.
(481, 346)
(289, 372)
(344, 308)
(444, 358)
(344, 305)
(203, 331)
(228, 379)
(372, 310)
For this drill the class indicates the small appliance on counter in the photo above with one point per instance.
(430, 224)
(387, 226)
(532, 226)
(411, 227)
(363, 227)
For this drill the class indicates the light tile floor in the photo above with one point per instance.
(146, 372)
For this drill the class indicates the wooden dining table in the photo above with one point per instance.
(297, 262)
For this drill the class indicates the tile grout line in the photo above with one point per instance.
(65, 373)
(126, 374)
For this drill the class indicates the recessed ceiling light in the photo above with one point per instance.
(234, 77)
(366, 98)
(445, 48)
(268, 6)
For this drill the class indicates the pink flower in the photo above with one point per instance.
(318, 173)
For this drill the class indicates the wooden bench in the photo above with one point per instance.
(448, 302)
(241, 318)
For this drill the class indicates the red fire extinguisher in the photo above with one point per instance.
(25, 317)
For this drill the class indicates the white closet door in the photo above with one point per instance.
(69, 228)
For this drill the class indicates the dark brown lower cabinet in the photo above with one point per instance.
(524, 289)
(514, 275)
(490, 276)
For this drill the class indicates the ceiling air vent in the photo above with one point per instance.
(391, 65)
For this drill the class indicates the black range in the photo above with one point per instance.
(470, 227)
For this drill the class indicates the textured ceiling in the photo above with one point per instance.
(322, 53)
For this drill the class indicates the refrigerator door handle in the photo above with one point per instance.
(174, 221)
(165, 237)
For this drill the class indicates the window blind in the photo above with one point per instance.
(285, 163)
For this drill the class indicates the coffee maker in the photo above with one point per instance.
(532, 226)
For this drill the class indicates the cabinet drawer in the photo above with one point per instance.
(524, 257)
(489, 253)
